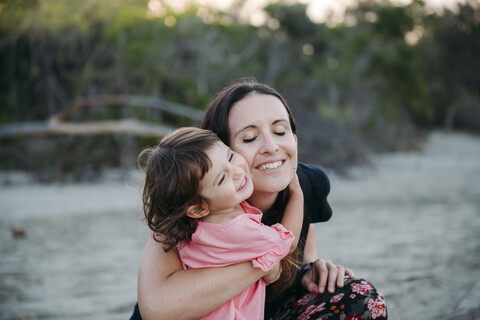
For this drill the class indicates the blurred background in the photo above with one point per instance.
(85, 85)
(373, 79)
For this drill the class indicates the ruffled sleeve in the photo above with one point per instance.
(279, 250)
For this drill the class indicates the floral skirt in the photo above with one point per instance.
(358, 299)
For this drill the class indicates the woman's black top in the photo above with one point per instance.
(315, 186)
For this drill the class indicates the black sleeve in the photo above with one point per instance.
(315, 186)
(136, 313)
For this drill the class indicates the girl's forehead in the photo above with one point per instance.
(216, 149)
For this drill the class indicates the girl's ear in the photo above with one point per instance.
(197, 211)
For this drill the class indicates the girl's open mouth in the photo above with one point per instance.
(242, 184)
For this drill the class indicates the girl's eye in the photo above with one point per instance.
(221, 180)
(281, 133)
(231, 157)
(249, 140)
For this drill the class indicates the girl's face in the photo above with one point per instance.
(259, 129)
(228, 182)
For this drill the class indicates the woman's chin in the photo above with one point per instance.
(271, 181)
(272, 185)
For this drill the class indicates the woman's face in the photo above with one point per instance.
(259, 129)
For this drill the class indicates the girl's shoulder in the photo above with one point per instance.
(250, 209)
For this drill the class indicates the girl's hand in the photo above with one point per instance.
(325, 274)
(294, 186)
(273, 274)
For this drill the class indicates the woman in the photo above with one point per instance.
(255, 121)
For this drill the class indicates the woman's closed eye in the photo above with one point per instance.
(221, 179)
(248, 140)
(280, 133)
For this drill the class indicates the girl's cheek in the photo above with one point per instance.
(246, 152)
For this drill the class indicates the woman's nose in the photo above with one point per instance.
(269, 145)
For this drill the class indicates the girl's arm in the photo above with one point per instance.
(166, 291)
(310, 253)
(293, 216)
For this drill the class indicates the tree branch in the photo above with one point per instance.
(57, 125)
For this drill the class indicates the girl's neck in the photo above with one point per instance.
(224, 215)
(262, 201)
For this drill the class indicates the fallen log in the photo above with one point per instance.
(130, 100)
(127, 126)
(57, 124)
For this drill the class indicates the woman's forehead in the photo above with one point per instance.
(256, 108)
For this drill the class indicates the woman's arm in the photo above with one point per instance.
(323, 273)
(166, 291)
(293, 215)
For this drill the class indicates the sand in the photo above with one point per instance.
(409, 223)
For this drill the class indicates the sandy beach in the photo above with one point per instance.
(409, 223)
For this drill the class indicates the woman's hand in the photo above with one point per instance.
(325, 274)
(273, 274)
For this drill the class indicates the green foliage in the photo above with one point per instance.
(454, 75)
(293, 19)
(364, 81)
(393, 22)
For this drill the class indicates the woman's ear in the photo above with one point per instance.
(197, 211)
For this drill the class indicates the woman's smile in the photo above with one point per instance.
(270, 165)
(260, 130)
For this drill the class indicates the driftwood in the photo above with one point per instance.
(130, 126)
(57, 125)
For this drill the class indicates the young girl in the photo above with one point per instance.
(194, 201)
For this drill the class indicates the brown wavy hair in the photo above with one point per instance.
(216, 120)
(173, 171)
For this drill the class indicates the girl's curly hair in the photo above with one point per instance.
(173, 171)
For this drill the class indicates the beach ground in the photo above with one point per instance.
(409, 223)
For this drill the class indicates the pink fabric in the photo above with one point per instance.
(240, 239)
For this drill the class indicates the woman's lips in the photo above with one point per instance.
(270, 165)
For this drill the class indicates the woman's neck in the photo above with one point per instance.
(262, 201)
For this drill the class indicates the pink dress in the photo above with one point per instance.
(240, 239)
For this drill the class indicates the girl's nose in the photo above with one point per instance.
(237, 171)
